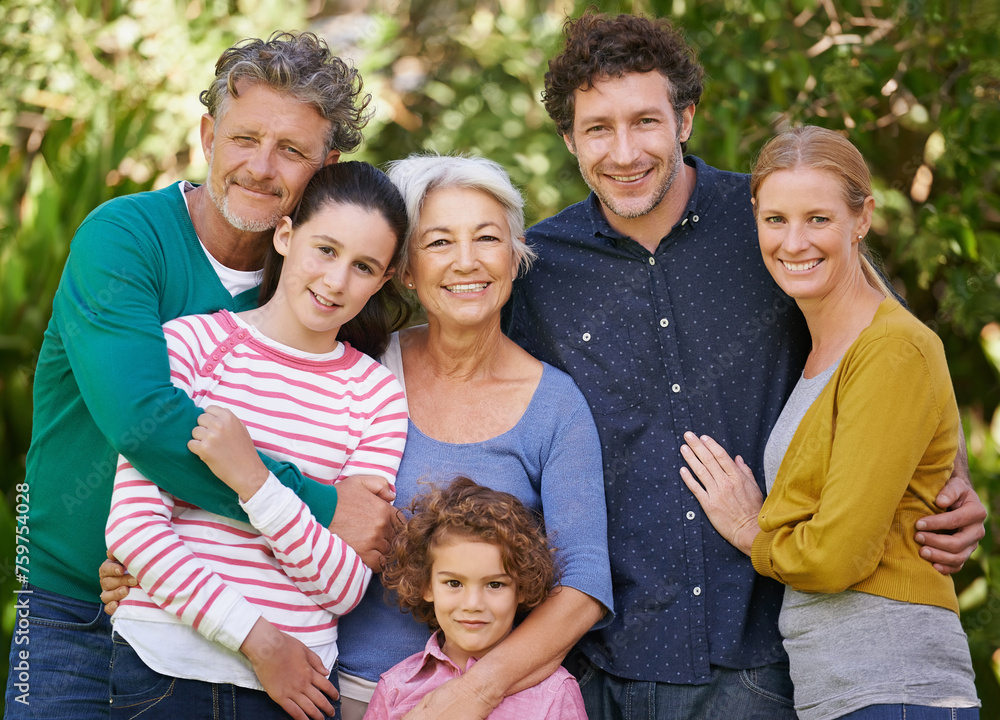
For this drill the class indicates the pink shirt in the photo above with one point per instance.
(401, 688)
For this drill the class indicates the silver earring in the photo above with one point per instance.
(861, 237)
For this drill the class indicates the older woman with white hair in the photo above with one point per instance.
(481, 406)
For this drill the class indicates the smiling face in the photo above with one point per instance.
(628, 142)
(261, 152)
(474, 599)
(332, 264)
(461, 259)
(808, 234)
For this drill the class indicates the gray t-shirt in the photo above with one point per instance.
(850, 649)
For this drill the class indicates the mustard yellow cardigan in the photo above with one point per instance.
(867, 461)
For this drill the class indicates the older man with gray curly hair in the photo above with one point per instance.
(278, 110)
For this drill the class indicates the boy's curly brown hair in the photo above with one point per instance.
(465, 509)
(605, 46)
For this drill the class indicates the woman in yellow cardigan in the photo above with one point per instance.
(865, 442)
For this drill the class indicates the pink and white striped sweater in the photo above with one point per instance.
(333, 415)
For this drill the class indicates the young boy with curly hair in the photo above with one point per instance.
(467, 563)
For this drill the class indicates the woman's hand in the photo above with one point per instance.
(727, 492)
(115, 583)
(224, 444)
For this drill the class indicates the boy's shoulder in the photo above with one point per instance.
(558, 696)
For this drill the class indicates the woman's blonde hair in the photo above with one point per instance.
(821, 149)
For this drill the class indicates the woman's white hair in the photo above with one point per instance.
(417, 175)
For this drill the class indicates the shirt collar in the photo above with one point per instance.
(701, 196)
(433, 654)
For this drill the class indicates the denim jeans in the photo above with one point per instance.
(763, 693)
(139, 692)
(59, 658)
(912, 712)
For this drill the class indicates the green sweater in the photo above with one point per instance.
(866, 462)
(102, 386)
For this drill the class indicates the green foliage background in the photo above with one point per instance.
(100, 99)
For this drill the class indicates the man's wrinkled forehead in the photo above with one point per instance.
(594, 85)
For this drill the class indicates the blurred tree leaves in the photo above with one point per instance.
(469, 80)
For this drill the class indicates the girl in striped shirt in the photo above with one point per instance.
(227, 611)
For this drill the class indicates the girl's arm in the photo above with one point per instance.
(319, 563)
(140, 534)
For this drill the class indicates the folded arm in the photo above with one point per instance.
(318, 563)
(224, 444)
(140, 534)
(876, 449)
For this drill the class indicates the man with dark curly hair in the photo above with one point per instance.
(652, 295)
(278, 110)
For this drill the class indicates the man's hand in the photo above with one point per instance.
(115, 583)
(364, 519)
(451, 701)
(224, 444)
(948, 539)
(292, 674)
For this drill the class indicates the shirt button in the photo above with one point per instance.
(697, 590)
(215, 356)
(694, 218)
(242, 335)
(586, 337)
(652, 261)
(675, 387)
(664, 322)
(690, 515)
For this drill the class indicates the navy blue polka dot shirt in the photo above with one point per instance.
(695, 336)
